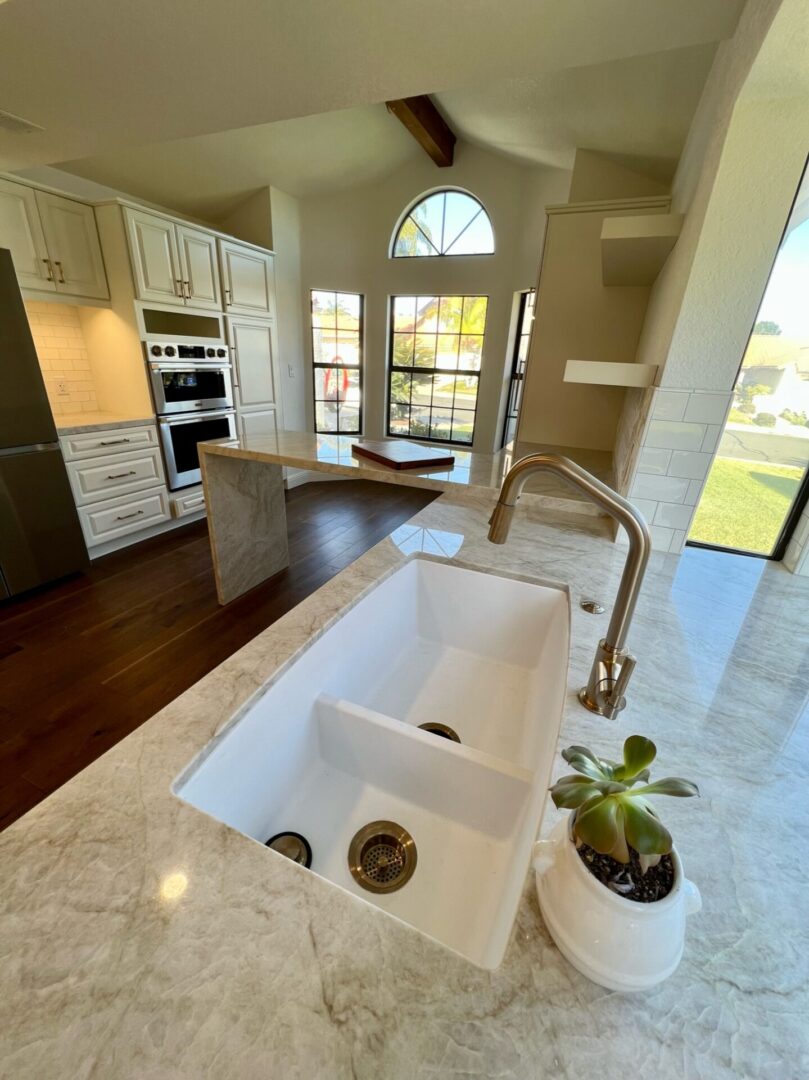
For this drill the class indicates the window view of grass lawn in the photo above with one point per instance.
(764, 450)
(744, 504)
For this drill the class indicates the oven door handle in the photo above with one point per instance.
(178, 365)
(194, 418)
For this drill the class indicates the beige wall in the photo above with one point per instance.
(287, 243)
(346, 239)
(597, 176)
(578, 318)
(251, 220)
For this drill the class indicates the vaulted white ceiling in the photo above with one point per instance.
(99, 75)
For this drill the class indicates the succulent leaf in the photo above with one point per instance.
(597, 824)
(645, 832)
(585, 761)
(639, 753)
(671, 785)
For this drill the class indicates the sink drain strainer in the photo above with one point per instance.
(444, 730)
(382, 856)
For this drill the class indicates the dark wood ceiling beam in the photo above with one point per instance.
(427, 126)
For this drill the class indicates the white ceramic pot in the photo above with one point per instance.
(618, 943)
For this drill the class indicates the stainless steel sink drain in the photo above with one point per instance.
(444, 730)
(382, 856)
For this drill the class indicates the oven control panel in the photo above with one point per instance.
(202, 353)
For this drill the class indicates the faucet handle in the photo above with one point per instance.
(616, 698)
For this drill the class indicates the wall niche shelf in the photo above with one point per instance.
(607, 373)
(634, 248)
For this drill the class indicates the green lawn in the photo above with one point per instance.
(744, 504)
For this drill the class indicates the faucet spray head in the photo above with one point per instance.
(500, 523)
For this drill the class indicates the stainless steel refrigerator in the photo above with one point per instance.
(40, 535)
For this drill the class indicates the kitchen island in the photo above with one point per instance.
(141, 938)
(244, 491)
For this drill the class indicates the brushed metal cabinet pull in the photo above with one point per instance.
(125, 517)
(49, 268)
(119, 475)
(58, 264)
(179, 287)
(187, 292)
(112, 442)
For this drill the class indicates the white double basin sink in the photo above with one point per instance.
(334, 743)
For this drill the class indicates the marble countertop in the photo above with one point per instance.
(255, 968)
(73, 423)
(472, 470)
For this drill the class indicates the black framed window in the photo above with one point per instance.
(337, 334)
(436, 346)
(525, 322)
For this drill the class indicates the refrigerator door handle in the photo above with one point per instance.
(31, 448)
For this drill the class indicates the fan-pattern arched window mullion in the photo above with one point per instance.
(444, 223)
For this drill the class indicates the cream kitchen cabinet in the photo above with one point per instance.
(172, 263)
(21, 232)
(264, 422)
(256, 384)
(248, 280)
(53, 242)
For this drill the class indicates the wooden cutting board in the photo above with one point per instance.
(399, 454)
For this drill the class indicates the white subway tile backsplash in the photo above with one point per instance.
(647, 507)
(711, 440)
(661, 538)
(62, 353)
(659, 488)
(801, 533)
(675, 435)
(670, 404)
(677, 542)
(673, 515)
(690, 465)
(694, 491)
(707, 408)
(652, 459)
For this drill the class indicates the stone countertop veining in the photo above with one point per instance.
(254, 967)
(471, 471)
(75, 423)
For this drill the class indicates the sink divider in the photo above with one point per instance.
(487, 793)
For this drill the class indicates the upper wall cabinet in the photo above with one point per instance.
(172, 263)
(53, 242)
(247, 276)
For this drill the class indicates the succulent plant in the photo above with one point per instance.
(611, 814)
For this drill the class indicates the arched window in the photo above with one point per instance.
(444, 223)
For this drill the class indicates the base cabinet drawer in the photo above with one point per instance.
(119, 517)
(86, 444)
(190, 502)
(115, 474)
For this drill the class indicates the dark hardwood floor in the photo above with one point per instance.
(86, 661)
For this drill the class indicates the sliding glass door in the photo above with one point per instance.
(758, 481)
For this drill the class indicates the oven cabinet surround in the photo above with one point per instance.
(248, 279)
(255, 374)
(53, 241)
(118, 484)
(172, 262)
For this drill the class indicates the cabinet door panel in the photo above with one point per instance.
(254, 363)
(21, 232)
(258, 423)
(200, 271)
(248, 280)
(155, 259)
(71, 235)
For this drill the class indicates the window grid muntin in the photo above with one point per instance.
(445, 252)
(339, 368)
(434, 371)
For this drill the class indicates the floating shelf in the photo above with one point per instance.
(607, 373)
(634, 248)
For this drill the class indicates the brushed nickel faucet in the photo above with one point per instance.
(613, 663)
